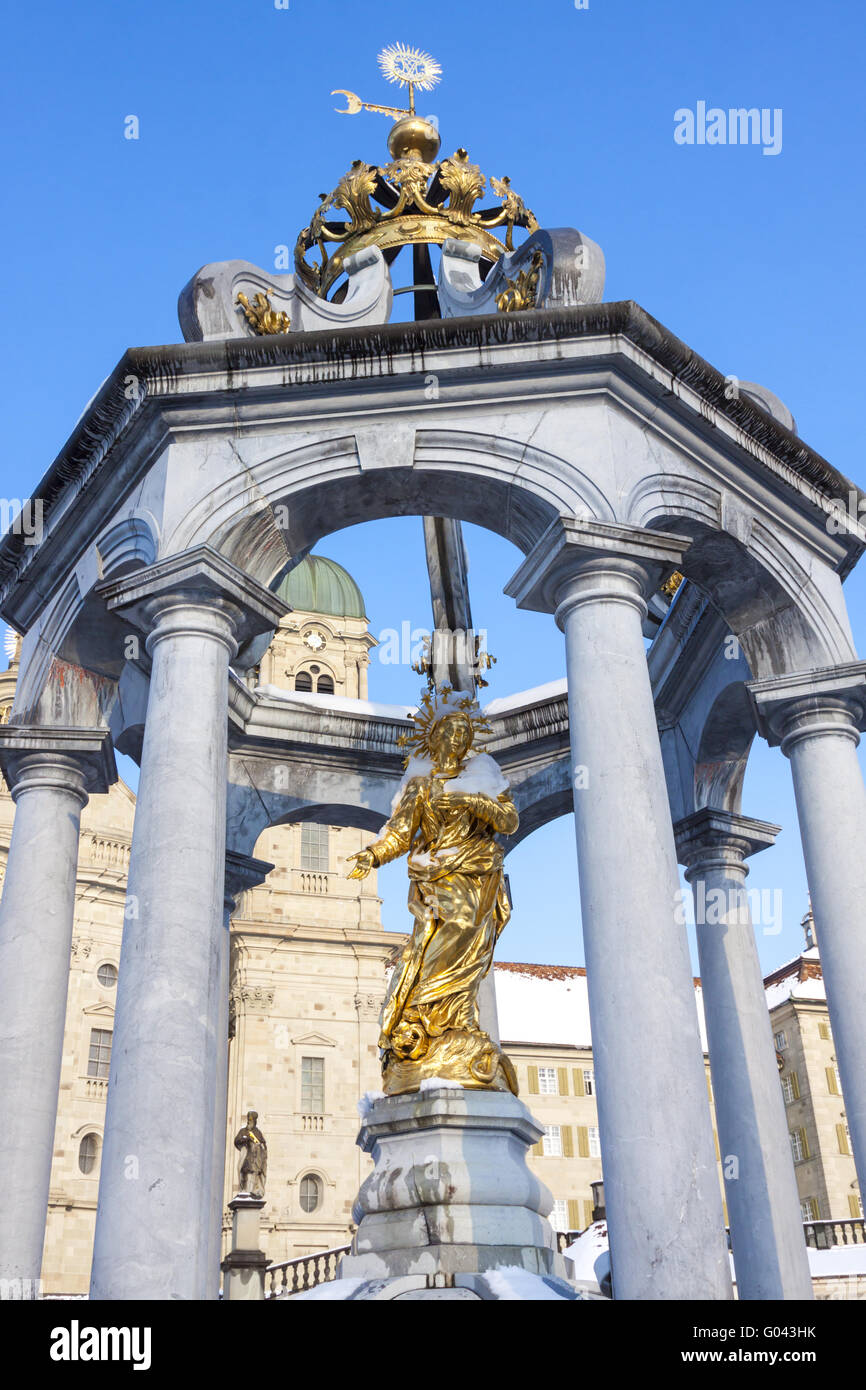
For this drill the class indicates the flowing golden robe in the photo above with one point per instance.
(457, 896)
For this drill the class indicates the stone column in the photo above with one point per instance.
(154, 1225)
(661, 1183)
(50, 772)
(760, 1184)
(242, 872)
(814, 717)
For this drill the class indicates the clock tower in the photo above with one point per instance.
(322, 645)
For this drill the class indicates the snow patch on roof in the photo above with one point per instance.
(347, 703)
(549, 1004)
(548, 691)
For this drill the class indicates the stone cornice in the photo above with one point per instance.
(323, 358)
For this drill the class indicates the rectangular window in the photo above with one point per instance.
(799, 1147)
(843, 1135)
(314, 847)
(588, 1082)
(809, 1209)
(855, 1206)
(559, 1215)
(313, 1085)
(780, 1040)
(594, 1142)
(790, 1087)
(547, 1081)
(824, 1031)
(552, 1141)
(99, 1056)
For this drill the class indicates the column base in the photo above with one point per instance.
(450, 1198)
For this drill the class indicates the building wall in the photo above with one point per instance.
(826, 1176)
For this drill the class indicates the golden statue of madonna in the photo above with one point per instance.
(450, 805)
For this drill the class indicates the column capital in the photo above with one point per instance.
(712, 837)
(199, 577)
(242, 872)
(573, 548)
(78, 760)
(804, 704)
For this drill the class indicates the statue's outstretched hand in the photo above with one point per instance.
(365, 863)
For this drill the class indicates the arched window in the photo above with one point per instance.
(107, 975)
(311, 1193)
(88, 1152)
(304, 681)
(325, 685)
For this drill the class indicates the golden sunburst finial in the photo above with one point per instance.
(410, 68)
(435, 704)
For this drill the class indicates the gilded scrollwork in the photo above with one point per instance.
(260, 316)
(522, 291)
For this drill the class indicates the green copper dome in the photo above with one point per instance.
(318, 585)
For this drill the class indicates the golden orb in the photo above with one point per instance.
(414, 138)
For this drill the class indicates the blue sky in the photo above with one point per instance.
(756, 261)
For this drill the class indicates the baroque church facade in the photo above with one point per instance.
(309, 967)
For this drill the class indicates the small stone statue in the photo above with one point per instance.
(254, 1164)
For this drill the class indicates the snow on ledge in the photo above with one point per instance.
(346, 704)
(550, 691)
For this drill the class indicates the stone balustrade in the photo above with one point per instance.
(823, 1235)
(292, 1276)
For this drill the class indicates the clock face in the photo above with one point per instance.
(314, 640)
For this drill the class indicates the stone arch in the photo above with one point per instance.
(254, 807)
(128, 544)
(770, 602)
(723, 751)
(542, 797)
(502, 484)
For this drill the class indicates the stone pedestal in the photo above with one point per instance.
(244, 1266)
(450, 1196)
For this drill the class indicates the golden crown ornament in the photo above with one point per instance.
(414, 199)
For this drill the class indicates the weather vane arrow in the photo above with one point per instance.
(407, 66)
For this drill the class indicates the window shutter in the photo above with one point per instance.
(563, 1080)
(795, 1084)
(854, 1204)
(583, 1141)
(573, 1214)
(587, 1212)
(567, 1141)
(538, 1149)
(577, 1078)
(533, 1080)
(805, 1142)
(824, 1031)
(831, 1081)
(844, 1147)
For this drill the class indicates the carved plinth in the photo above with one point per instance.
(245, 1264)
(450, 1194)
